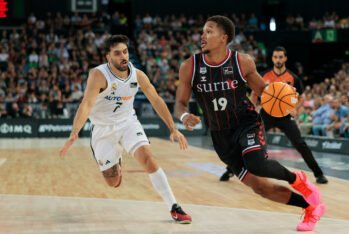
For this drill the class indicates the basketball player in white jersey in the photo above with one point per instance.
(108, 103)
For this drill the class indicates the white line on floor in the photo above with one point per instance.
(2, 161)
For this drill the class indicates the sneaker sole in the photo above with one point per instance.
(184, 222)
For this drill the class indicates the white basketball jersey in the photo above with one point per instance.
(115, 104)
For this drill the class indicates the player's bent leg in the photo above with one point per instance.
(257, 164)
(113, 175)
(267, 189)
(260, 166)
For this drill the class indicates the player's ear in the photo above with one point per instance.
(107, 56)
(225, 37)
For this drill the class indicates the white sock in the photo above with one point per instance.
(160, 183)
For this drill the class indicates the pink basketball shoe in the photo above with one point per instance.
(311, 216)
(308, 190)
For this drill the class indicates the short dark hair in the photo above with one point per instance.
(280, 48)
(114, 40)
(224, 23)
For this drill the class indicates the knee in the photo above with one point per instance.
(115, 182)
(255, 168)
(113, 176)
(148, 163)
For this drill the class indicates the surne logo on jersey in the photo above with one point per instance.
(217, 86)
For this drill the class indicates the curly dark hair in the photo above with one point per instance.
(114, 40)
(224, 23)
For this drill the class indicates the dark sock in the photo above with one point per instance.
(297, 200)
(293, 178)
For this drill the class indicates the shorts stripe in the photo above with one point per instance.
(242, 175)
(251, 148)
(136, 146)
(93, 152)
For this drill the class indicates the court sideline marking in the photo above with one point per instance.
(2, 161)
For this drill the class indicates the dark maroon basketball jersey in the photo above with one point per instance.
(220, 90)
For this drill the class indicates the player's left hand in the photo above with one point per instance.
(294, 113)
(64, 150)
(178, 136)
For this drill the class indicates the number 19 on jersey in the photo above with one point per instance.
(219, 104)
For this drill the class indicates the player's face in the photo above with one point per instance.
(212, 37)
(118, 56)
(279, 59)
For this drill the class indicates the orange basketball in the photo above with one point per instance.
(279, 99)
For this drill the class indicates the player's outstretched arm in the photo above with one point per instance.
(183, 96)
(254, 80)
(161, 108)
(95, 83)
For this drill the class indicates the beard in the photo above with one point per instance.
(279, 65)
(120, 66)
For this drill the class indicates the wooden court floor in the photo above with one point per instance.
(42, 193)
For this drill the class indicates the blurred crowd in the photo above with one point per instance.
(326, 106)
(44, 65)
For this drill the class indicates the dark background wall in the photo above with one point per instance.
(307, 8)
(263, 8)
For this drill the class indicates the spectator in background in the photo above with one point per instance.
(3, 111)
(3, 57)
(27, 111)
(76, 94)
(305, 121)
(44, 111)
(299, 22)
(252, 22)
(339, 118)
(61, 111)
(322, 117)
(14, 111)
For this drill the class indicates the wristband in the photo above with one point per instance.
(183, 116)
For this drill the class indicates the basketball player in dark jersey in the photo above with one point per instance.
(287, 124)
(218, 78)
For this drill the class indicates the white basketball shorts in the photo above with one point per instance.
(108, 141)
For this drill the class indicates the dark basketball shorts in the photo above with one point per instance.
(232, 144)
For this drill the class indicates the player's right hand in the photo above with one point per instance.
(190, 121)
(72, 138)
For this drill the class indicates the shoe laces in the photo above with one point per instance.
(308, 216)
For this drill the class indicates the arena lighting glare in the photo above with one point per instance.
(3, 8)
(272, 25)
